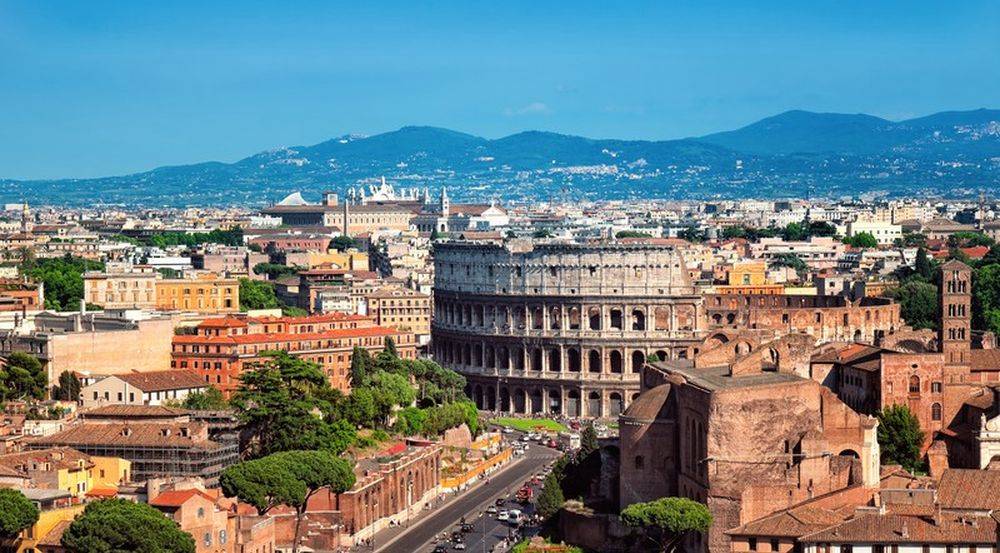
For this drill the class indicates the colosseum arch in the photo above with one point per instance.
(490, 398)
(536, 359)
(594, 361)
(662, 318)
(685, 315)
(616, 362)
(536, 402)
(638, 319)
(518, 400)
(716, 340)
(573, 360)
(615, 405)
(504, 399)
(573, 403)
(555, 401)
(617, 319)
(555, 318)
(594, 407)
(594, 318)
(574, 318)
(555, 360)
(638, 360)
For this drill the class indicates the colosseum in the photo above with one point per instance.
(565, 328)
(560, 328)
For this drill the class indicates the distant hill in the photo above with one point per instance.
(795, 132)
(793, 153)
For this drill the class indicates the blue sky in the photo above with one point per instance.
(99, 88)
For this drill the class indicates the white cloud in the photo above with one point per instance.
(534, 108)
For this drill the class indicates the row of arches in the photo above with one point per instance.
(574, 402)
(561, 359)
(563, 317)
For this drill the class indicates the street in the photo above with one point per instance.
(486, 530)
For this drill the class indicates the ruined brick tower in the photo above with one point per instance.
(955, 292)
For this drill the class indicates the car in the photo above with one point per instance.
(440, 548)
(499, 502)
(503, 515)
(552, 443)
(456, 536)
(460, 546)
(492, 509)
(508, 430)
(526, 438)
(466, 527)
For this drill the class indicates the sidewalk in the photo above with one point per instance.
(389, 534)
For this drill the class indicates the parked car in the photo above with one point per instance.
(467, 528)
(503, 515)
(491, 509)
(460, 546)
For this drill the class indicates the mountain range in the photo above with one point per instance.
(796, 153)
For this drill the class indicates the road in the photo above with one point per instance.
(470, 504)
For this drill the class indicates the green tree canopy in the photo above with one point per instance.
(918, 303)
(68, 388)
(923, 266)
(121, 526)
(288, 478)
(986, 298)
(63, 279)
(862, 240)
(666, 521)
(22, 378)
(275, 271)
(209, 400)
(283, 403)
(551, 499)
(632, 234)
(17, 513)
(900, 437)
(343, 243)
(255, 294)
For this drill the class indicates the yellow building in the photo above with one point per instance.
(56, 512)
(749, 278)
(65, 469)
(205, 293)
(402, 308)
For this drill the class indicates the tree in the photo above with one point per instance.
(900, 437)
(68, 388)
(275, 271)
(22, 377)
(119, 525)
(282, 403)
(551, 499)
(918, 303)
(986, 298)
(17, 513)
(360, 361)
(435, 235)
(632, 234)
(666, 521)
(390, 347)
(794, 232)
(288, 478)
(62, 277)
(922, 266)
(791, 261)
(588, 441)
(862, 240)
(255, 294)
(343, 243)
(209, 400)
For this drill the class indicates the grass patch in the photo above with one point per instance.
(531, 425)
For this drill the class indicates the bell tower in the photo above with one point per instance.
(955, 292)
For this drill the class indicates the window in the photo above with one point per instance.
(752, 542)
(936, 387)
(936, 412)
(914, 384)
(774, 545)
(201, 512)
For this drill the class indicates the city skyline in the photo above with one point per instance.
(114, 90)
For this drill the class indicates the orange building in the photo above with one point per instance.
(206, 293)
(16, 295)
(223, 348)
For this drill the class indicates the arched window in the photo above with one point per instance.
(914, 384)
(936, 412)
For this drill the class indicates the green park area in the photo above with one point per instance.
(531, 425)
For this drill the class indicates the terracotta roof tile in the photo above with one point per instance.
(158, 381)
(970, 489)
(176, 498)
(880, 528)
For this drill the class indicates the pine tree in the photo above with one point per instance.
(551, 498)
(923, 265)
(390, 346)
(900, 437)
